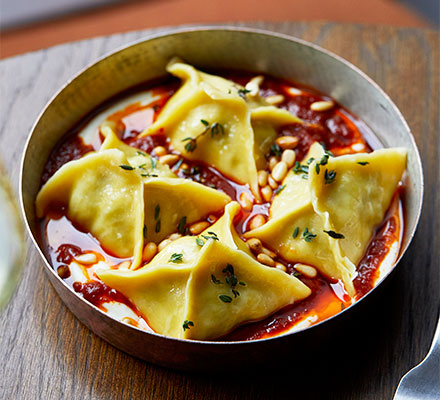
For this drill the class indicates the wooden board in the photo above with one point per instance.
(47, 354)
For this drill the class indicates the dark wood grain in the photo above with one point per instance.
(46, 353)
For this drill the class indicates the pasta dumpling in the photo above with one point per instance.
(201, 288)
(209, 119)
(328, 219)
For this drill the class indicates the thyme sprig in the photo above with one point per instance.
(176, 258)
(307, 235)
(231, 280)
(214, 128)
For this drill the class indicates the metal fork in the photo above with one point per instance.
(423, 381)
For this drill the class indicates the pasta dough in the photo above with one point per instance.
(171, 294)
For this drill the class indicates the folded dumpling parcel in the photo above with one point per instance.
(203, 287)
(122, 201)
(210, 119)
(329, 208)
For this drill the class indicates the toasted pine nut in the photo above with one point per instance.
(275, 99)
(86, 258)
(174, 236)
(160, 151)
(255, 245)
(266, 192)
(262, 178)
(257, 221)
(163, 244)
(279, 171)
(266, 260)
(272, 162)
(322, 105)
(254, 85)
(124, 265)
(212, 218)
(289, 157)
(268, 252)
(150, 250)
(272, 182)
(287, 142)
(246, 201)
(198, 227)
(184, 166)
(306, 270)
(280, 266)
(293, 91)
(169, 159)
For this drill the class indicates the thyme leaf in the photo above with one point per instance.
(182, 225)
(335, 235)
(329, 176)
(295, 232)
(225, 298)
(176, 258)
(199, 242)
(127, 167)
(215, 280)
(187, 324)
(308, 236)
(363, 163)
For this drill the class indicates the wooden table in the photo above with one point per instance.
(46, 353)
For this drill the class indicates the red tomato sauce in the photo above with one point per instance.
(337, 129)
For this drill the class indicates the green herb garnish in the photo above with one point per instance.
(187, 324)
(329, 176)
(153, 162)
(215, 280)
(225, 298)
(200, 242)
(127, 167)
(156, 212)
(363, 163)
(335, 235)
(243, 92)
(145, 231)
(214, 128)
(176, 258)
(279, 189)
(295, 232)
(182, 225)
(308, 236)
(157, 228)
(275, 150)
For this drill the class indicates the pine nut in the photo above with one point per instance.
(150, 250)
(275, 99)
(262, 178)
(86, 258)
(266, 260)
(257, 221)
(268, 252)
(198, 227)
(266, 192)
(272, 183)
(287, 142)
(255, 245)
(175, 236)
(184, 166)
(124, 265)
(246, 201)
(280, 266)
(212, 218)
(160, 151)
(279, 171)
(321, 106)
(163, 244)
(272, 162)
(293, 91)
(306, 270)
(169, 159)
(289, 157)
(254, 85)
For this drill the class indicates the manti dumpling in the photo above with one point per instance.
(329, 208)
(210, 119)
(202, 287)
(121, 203)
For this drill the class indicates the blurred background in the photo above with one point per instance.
(27, 25)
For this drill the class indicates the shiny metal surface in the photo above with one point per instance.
(423, 381)
(211, 47)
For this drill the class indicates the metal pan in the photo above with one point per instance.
(212, 47)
